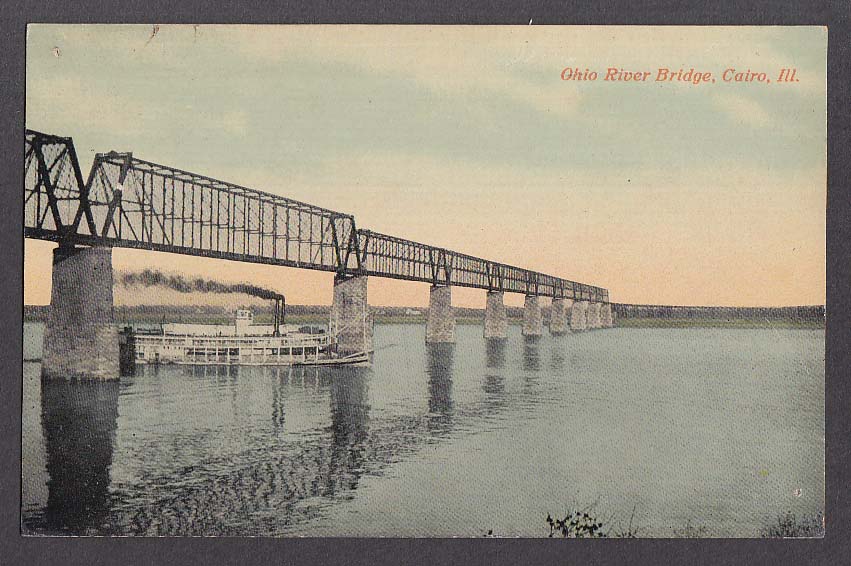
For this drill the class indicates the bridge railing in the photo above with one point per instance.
(129, 202)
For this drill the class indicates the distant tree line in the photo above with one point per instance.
(621, 310)
(177, 312)
(808, 312)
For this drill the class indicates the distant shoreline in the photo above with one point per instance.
(719, 323)
(318, 314)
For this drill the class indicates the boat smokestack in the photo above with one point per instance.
(280, 314)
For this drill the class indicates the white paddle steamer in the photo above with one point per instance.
(240, 343)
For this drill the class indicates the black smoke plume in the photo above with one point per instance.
(154, 278)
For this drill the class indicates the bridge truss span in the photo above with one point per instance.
(133, 203)
(398, 258)
(129, 202)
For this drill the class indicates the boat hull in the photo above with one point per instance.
(353, 360)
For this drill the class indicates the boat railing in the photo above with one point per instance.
(243, 340)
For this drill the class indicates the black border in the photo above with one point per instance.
(834, 549)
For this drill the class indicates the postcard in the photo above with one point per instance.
(424, 281)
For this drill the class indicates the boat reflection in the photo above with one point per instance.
(279, 394)
(257, 450)
(267, 490)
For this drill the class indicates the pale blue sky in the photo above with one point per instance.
(468, 138)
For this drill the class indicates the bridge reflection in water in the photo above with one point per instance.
(79, 423)
(531, 353)
(439, 371)
(494, 385)
(217, 450)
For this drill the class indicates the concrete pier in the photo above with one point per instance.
(577, 316)
(80, 338)
(593, 316)
(350, 316)
(440, 326)
(558, 316)
(533, 322)
(496, 318)
(606, 315)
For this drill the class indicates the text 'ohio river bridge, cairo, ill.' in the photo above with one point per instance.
(131, 203)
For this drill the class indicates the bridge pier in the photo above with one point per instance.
(80, 338)
(496, 319)
(351, 320)
(558, 316)
(606, 315)
(578, 316)
(593, 316)
(533, 324)
(440, 325)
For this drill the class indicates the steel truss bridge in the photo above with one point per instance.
(131, 203)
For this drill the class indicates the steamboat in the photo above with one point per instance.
(241, 343)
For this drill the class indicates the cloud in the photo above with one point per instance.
(742, 109)
(235, 122)
(64, 103)
(441, 60)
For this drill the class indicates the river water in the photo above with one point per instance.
(713, 432)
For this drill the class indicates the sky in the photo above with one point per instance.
(468, 138)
